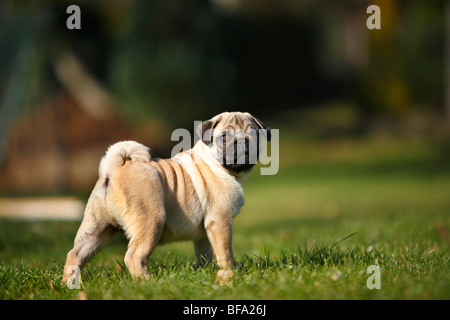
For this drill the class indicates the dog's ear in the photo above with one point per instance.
(205, 130)
(261, 125)
(202, 129)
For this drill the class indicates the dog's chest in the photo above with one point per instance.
(192, 192)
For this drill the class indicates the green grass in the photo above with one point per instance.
(309, 232)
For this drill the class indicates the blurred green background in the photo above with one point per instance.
(139, 69)
(363, 118)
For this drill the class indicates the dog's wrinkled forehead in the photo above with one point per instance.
(233, 121)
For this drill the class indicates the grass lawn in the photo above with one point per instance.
(309, 232)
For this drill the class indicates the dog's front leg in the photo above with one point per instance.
(219, 233)
(203, 251)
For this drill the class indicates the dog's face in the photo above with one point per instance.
(233, 138)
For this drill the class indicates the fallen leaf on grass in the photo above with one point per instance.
(81, 296)
(53, 288)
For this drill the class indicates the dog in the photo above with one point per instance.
(191, 196)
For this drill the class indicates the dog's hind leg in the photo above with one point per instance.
(94, 232)
(144, 226)
(144, 237)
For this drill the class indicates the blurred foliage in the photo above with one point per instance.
(182, 60)
(406, 64)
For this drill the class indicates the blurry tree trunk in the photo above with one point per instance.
(86, 91)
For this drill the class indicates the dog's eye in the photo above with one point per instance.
(224, 137)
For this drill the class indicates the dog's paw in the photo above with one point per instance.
(224, 276)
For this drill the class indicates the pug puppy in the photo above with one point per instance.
(192, 196)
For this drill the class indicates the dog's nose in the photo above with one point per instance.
(241, 146)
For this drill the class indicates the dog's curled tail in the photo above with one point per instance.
(118, 153)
